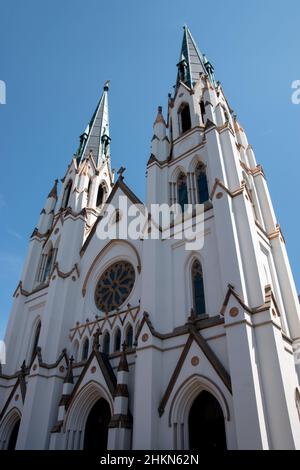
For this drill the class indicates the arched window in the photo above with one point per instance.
(184, 118)
(67, 193)
(129, 336)
(89, 191)
(202, 186)
(202, 111)
(106, 343)
(100, 196)
(85, 349)
(182, 190)
(75, 348)
(48, 265)
(198, 288)
(35, 340)
(250, 194)
(117, 345)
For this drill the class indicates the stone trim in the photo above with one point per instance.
(200, 324)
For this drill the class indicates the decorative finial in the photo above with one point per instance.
(69, 375)
(53, 192)
(96, 335)
(123, 364)
(106, 85)
(120, 172)
(159, 117)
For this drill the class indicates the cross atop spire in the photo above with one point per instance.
(192, 62)
(95, 140)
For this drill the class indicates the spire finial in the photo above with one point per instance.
(53, 192)
(120, 172)
(69, 375)
(123, 364)
(191, 62)
(96, 137)
(159, 117)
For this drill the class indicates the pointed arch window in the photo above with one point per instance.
(35, 340)
(198, 288)
(89, 191)
(117, 345)
(202, 111)
(184, 118)
(182, 190)
(48, 265)
(85, 349)
(75, 348)
(67, 194)
(100, 196)
(202, 186)
(129, 336)
(106, 343)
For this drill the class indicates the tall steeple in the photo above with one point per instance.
(192, 62)
(95, 140)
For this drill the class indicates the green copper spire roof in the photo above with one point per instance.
(95, 139)
(192, 62)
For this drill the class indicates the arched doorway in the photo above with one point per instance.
(96, 428)
(206, 424)
(14, 436)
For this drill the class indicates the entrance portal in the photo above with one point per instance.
(14, 436)
(96, 428)
(206, 424)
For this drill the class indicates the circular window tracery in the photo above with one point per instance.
(114, 286)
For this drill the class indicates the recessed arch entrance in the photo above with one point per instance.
(9, 430)
(206, 425)
(14, 436)
(85, 415)
(96, 428)
(181, 407)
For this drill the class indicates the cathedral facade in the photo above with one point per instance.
(139, 342)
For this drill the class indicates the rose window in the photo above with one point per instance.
(114, 286)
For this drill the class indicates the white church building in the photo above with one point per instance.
(141, 343)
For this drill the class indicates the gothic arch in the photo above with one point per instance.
(188, 279)
(34, 338)
(129, 335)
(7, 426)
(106, 342)
(182, 402)
(67, 194)
(117, 339)
(75, 349)
(79, 410)
(102, 191)
(184, 117)
(176, 172)
(196, 160)
(85, 349)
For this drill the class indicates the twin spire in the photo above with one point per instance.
(95, 140)
(192, 62)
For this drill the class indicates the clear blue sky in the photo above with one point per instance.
(56, 55)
